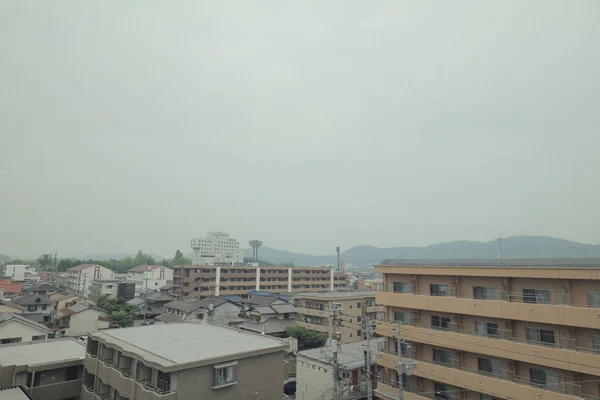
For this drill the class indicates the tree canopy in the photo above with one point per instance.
(307, 339)
(118, 310)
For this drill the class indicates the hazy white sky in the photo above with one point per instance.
(307, 124)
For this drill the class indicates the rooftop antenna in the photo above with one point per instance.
(500, 247)
(255, 244)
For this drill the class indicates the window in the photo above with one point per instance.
(540, 296)
(542, 377)
(402, 287)
(358, 305)
(442, 391)
(441, 356)
(39, 337)
(487, 329)
(439, 290)
(593, 299)
(403, 317)
(489, 366)
(596, 342)
(358, 333)
(44, 307)
(11, 340)
(540, 335)
(350, 306)
(440, 322)
(224, 375)
(32, 308)
(484, 293)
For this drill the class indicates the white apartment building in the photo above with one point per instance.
(216, 248)
(150, 277)
(80, 278)
(20, 273)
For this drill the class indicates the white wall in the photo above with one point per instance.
(225, 313)
(85, 321)
(81, 281)
(20, 273)
(311, 383)
(20, 329)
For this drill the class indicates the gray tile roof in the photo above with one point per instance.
(158, 296)
(7, 317)
(32, 299)
(169, 318)
(269, 327)
(186, 306)
(42, 352)
(284, 308)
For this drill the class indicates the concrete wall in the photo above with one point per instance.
(259, 377)
(225, 313)
(83, 322)
(19, 329)
(312, 382)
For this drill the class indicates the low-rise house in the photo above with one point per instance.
(112, 289)
(181, 311)
(183, 361)
(8, 307)
(314, 371)
(82, 318)
(45, 369)
(40, 288)
(167, 289)
(16, 329)
(62, 300)
(152, 305)
(270, 319)
(38, 307)
(10, 289)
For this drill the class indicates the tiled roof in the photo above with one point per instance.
(6, 317)
(43, 287)
(270, 326)
(32, 299)
(13, 305)
(81, 267)
(186, 306)
(143, 268)
(169, 319)
(11, 287)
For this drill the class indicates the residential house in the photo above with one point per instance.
(40, 288)
(314, 371)
(16, 329)
(38, 307)
(205, 361)
(81, 318)
(167, 288)
(62, 300)
(80, 278)
(8, 307)
(152, 305)
(181, 311)
(150, 277)
(45, 369)
(112, 289)
(270, 319)
(9, 289)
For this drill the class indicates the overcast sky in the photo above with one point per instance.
(129, 125)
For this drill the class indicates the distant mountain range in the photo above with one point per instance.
(512, 247)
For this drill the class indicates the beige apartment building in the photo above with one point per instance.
(492, 329)
(191, 281)
(182, 361)
(314, 312)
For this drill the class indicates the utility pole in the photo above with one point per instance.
(500, 247)
(333, 342)
(368, 358)
(402, 366)
(337, 250)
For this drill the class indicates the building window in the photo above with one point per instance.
(487, 329)
(350, 307)
(539, 296)
(540, 335)
(39, 337)
(358, 333)
(44, 307)
(439, 290)
(441, 356)
(349, 335)
(484, 293)
(596, 343)
(32, 308)
(440, 322)
(593, 299)
(542, 377)
(358, 305)
(401, 316)
(489, 366)
(11, 340)
(401, 287)
(442, 391)
(358, 319)
(224, 374)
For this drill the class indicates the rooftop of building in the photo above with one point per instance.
(10, 287)
(8, 317)
(268, 327)
(144, 268)
(42, 287)
(40, 352)
(32, 299)
(12, 305)
(262, 268)
(181, 346)
(336, 295)
(82, 267)
(350, 355)
(497, 262)
(100, 281)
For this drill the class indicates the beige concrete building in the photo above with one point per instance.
(182, 361)
(204, 281)
(45, 369)
(492, 329)
(313, 312)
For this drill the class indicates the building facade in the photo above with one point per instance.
(20, 273)
(492, 329)
(217, 248)
(112, 289)
(204, 281)
(145, 363)
(80, 277)
(45, 369)
(16, 329)
(314, 309)
(151, 277)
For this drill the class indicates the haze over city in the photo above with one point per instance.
(139, 125)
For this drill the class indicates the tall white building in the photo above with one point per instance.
(216, 248)
(20, 273)
(80, 278)
(149, 277)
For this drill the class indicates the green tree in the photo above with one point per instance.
(45, 261)
(307, 339)
(143, 259)
(180, 259)
(355, 285)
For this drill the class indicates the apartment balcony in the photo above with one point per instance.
(90, 363)
(501, 346)
(314, 327)
(312, 311)
(87, 393)
(506, 386)
(543, 313)
(146, 391)
(57, 391)
(374, 309)
(390, 392)
(120, 381)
